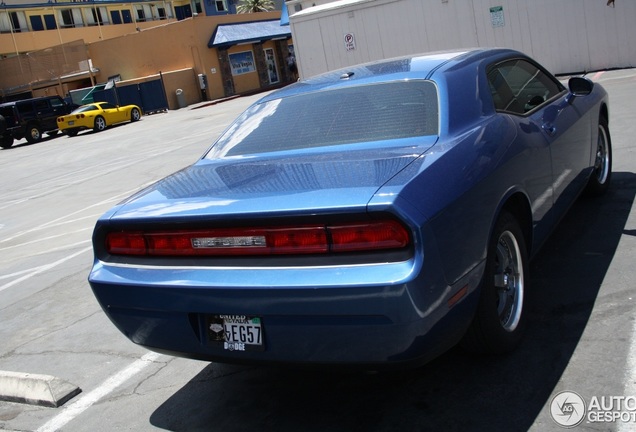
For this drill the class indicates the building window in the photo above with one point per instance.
(49, 21)
(298, 7)
(18, 22)
(221, 5)
(141, 16)
(71, 18)
(67, 18)
(183, 12)
(163, 13)
(115, 16)
(144, 13)
(97, 16)
(36, 23)
(197, 6)
(127, 16)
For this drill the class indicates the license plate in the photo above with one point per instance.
(236, 332)
(71, 123)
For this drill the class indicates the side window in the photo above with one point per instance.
(25, 108)
(56, 102)
(518, 86)
(41, 105)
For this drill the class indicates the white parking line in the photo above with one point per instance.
(43, 268)
(86, 401)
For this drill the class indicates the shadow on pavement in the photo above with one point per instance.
(457, 391)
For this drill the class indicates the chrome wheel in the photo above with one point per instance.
(508, 280)
(500, 320)
(33, 134)
(601, 177)
(135, 115)
(100, 124)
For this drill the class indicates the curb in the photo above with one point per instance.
(34, 389)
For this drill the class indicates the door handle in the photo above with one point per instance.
(549, 129)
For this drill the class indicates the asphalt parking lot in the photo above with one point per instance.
(581, 336)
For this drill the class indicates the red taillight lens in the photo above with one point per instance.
(126, 243)
(368, 236)
(306, 239)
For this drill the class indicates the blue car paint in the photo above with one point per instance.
(448, 190)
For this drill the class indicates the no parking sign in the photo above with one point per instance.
(350, 42)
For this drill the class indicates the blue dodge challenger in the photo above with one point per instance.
(376, 215)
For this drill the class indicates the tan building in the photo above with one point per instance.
(60, 47)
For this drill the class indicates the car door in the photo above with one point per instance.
(45, 114)
(111, 113)
(119, 115)
(525, 90)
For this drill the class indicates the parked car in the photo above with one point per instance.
(30, 118)
(97, 116)
(376, 215)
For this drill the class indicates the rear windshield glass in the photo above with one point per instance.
(84, 108)
(385, 111)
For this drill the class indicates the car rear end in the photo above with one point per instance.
(336, 288)
(11, 118)
(282, 246)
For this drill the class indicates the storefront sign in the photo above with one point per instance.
(242, 62)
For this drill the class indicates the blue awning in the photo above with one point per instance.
(227, 35)
(284, 15)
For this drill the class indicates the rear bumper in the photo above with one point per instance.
(404, 317)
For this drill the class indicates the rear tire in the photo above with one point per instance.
(71, 132)
(33, 133)
(500, 321)
(600, 180)
(6, 141)
(100, 124)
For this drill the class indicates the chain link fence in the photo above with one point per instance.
(44, 68)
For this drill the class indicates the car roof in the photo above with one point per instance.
(420, 66)
(27, 100)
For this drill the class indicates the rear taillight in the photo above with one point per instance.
(305, 239)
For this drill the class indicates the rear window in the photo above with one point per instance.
(85, 108)
(373, 112)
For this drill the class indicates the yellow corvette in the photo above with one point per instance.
(97, 116)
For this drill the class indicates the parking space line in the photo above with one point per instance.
(82, 404)
(44, 268)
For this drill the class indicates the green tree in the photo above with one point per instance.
(249, 6)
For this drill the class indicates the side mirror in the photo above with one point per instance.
(580, 86)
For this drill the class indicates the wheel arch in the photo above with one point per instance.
(518, 204)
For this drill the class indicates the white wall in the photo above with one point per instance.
(563, 35)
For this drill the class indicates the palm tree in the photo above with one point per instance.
(249, 6)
